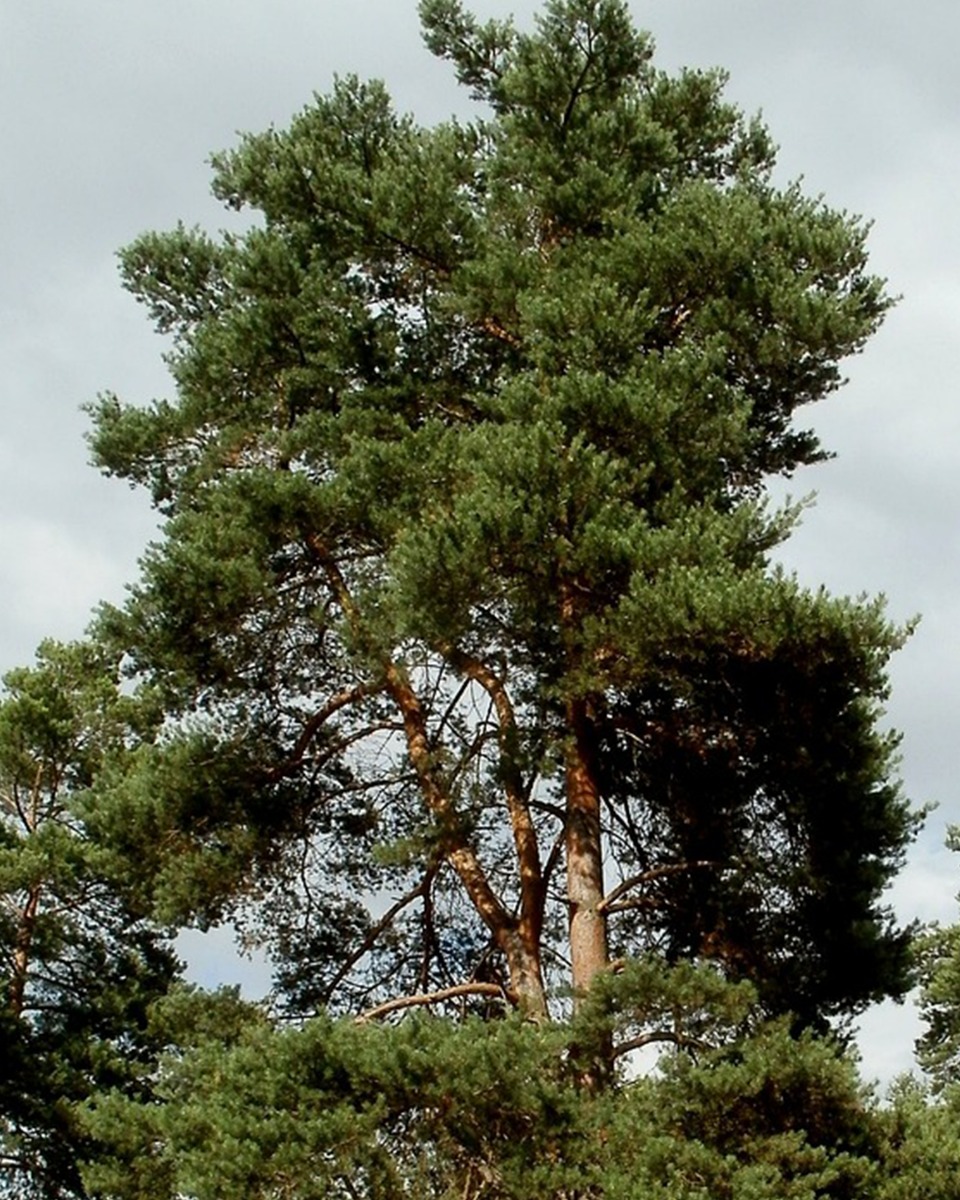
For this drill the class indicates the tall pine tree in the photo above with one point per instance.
(477, 668)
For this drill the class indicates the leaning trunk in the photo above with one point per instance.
(518, 939)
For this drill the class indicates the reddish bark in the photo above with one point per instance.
(512, 935)
(21, 950)
(584, 852)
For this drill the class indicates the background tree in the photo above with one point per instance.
(465, 579)
(938, 953)
(920, 1154)
(80, 963)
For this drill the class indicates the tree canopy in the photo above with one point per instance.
(462, 674)
(476, 664)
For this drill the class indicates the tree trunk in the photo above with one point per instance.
(584, 852)
(21, 951)
(519, 940)
(526, 974)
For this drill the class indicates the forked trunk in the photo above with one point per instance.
(526, 975)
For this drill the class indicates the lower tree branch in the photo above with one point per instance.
(659, 1035)
(450, 993)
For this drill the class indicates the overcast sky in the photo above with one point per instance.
(110, 109)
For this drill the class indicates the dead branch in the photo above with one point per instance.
(610, 902)
(450, 993)
(659, 1035)
(381, 926)
(493, 327)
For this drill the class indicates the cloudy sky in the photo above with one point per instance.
(110, 109)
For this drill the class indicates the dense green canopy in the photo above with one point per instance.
(462, 676)
(466, 577)
(81, 964)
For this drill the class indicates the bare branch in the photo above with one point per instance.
(579, 89)
(460, 854)
(553, 858)
(450, 993)
(383, 924)
(333, 705)
(332, 750)
(659, 1035)
(345, 1180)
(451, 707)
(610, 902)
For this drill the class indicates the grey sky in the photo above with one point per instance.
(110, 108)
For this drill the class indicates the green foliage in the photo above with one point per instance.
(464, 480)
(938, 955)
(725, 755)
(773, 1116)
(80, 963)
(921, 1151)
(444, 1109)
(465, 581)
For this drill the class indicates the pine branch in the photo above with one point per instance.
(611, 902)
(659, 1035)
(424, 998)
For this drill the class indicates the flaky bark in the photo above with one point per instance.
(584, 852)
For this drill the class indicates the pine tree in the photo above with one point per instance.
(81, 964)
(442, 1109)
(466, 577)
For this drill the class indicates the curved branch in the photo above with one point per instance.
(532, 888)
(579, 89)
(450, 993)
(373, 934)
(659, 1035)
(333, 705)
(609, 902)
(331, 750)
